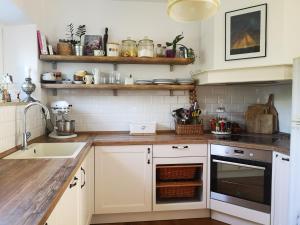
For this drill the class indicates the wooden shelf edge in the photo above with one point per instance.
(116, 60)
(117, 87)
(166, 184)
(179, 166)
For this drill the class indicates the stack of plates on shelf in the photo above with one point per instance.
(164, 81)
(185, 81)
(143, 82)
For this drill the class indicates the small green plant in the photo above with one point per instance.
(175, 42)
(70, 34)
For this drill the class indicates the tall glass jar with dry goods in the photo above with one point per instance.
(129, 48)
(146, 48)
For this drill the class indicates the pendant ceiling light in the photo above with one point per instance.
(192, 10)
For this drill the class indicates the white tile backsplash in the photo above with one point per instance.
(11, 125)
(101, 111)
(237, 98)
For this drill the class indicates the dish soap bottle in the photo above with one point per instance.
(129, 80)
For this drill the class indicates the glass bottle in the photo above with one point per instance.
(146, 48)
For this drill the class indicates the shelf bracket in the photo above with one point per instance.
(54, 92)
(115, 92)
(54, 65)
(115, 67)
(171, 68)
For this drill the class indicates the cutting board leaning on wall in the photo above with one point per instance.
(262, 118)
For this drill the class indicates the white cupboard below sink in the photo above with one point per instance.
(123, 179)
(76, 205)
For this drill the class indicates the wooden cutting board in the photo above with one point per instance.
(262, 118)
(273, 111)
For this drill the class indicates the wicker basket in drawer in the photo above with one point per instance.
(193, 129)
(177, 173)
(177, 192)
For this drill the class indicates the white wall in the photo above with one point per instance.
(97, 110)
(123, 18)
(282, 35)
(21, 54)
(237, 98)
(1, 50)
(20, 51)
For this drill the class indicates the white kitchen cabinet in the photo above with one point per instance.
(76, 206)
(123, 179)
(280, 189)
(66, 210)
(91, 176)
(84, 192)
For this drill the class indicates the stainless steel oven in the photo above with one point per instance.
(241, 177)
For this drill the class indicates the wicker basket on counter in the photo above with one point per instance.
(189, 129)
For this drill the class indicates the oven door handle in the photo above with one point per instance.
(239, 164)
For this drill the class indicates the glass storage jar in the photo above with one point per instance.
(146, 48)
(129, 48)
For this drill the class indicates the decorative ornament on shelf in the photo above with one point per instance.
(171, 53)
(28, 87)
(192, 10)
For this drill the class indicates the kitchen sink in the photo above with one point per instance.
(48, 150)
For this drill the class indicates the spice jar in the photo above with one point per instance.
(159, 51)
(129, 48)
(113, 49)
(146, 48)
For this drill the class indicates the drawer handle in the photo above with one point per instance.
(180, 147)
(286, 159)
(83, 171)
(74, 183)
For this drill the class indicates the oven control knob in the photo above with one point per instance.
(251, 154)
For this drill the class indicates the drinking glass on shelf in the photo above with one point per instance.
(103, 79)
(117, 77)
(112, 78)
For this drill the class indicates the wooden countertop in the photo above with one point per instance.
(30, 188)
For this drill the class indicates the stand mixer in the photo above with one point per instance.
(63, 128)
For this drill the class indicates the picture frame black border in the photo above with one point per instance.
(266, 32)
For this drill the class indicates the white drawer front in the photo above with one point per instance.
(179, 150)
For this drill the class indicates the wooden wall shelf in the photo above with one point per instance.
(116, 60)
(116, 87)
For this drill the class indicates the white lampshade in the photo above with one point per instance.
(192, 10)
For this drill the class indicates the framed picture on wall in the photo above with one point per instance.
(246, 33)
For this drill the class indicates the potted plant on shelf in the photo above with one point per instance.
(171, 52)
(81, 31)
(71, 45)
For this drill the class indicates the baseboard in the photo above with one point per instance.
(150, 216)
(230, 219)
(241, 213)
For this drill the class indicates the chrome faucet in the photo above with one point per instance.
(27, 134)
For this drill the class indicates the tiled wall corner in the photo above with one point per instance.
(11, 125)
(237, 98)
